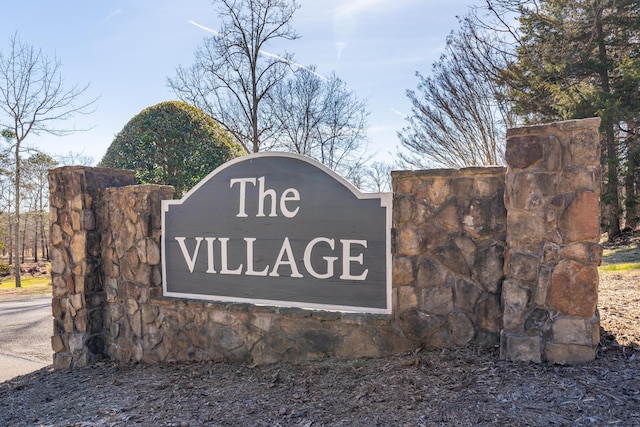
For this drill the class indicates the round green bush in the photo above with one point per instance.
(171, 143)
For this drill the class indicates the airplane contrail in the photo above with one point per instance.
(401, 114)
(262, 52)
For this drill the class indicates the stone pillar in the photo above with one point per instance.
(132, 270)
(78, 295)
(552, 197)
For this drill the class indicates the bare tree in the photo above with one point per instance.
(7, 187)
(36, 168)
(33, 99)
(233, 74)
(74, 158)
(458, 116)
(321, 118)
(377, 176)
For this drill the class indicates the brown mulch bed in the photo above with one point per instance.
(462, 388)
(27, 268)
(625, 238)
(467, 387)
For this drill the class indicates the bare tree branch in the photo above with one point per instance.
(322, 119)
(233, 73)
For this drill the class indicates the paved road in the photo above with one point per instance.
(26, 327)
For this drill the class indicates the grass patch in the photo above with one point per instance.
(626, 255)
(621, 267)
(29, 286)
(624, 258)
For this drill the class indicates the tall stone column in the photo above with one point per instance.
(78, 293)
(132, 271)
(552, 197)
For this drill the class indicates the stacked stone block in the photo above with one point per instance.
(550, 292)
(78, 295)
(449, 233)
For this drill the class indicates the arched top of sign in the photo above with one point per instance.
(385, 201)
(279, 229)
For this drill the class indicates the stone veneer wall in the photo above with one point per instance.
(551, 288)
(451, 231)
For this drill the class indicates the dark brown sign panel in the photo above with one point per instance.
(279, 229)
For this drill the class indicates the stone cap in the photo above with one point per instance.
(473, 171)
(567, 125)
(142, 188)
(79, 168)
(294, 312)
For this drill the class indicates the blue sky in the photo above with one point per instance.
(126, 50)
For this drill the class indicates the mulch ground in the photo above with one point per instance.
(430, 388)
(466, 387)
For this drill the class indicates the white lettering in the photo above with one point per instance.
(347, 259)
(190, 260)
(285, 250)
(243, 193)
(329, 259)
(250, 271)
(285, 257)
(262, 193)
(224, 260)
(295, 197)
(210, 266)
(289, 195)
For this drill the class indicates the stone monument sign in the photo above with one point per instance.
(279, 229)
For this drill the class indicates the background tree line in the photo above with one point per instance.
(33, 214)
(516, 62)
(33, 230)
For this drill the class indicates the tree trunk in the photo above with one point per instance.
(35, 243)
(43, 247)
(10, 241)
(611, 157)
(17, 219)
(23, 249)
(631, 182)
(611, 197)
